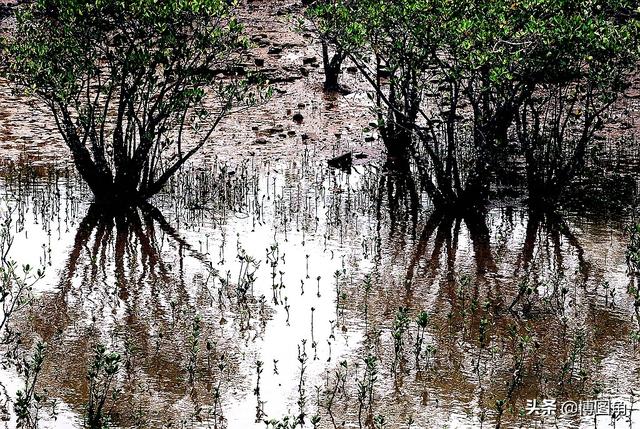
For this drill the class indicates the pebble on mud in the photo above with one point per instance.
(309, 61)
(342, 162)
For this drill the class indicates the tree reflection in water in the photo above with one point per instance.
(516, 307)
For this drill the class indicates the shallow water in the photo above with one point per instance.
(274, 258)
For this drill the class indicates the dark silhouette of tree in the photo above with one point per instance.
(461, 87)
(135, 88)
(324, 15)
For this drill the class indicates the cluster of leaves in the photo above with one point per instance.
(101, 377)
(59, 44)
(28, 401)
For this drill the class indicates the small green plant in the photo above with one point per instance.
(366, 386)
(633, 249)
(287, 422)
(332, 391)
(398, 329)
(422, 320)
(315, 421)
(194, 348)
(336, 275)
(273, 257)
(16, 283)
(379, 422)
(367, 291)
(574, 365)
(28, 401)
(247, 274)
(101, 376)
(256, 390)
(302, 397)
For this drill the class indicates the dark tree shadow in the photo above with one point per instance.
(398, 190)
(547, 236)
(124, 279)
(548, 230)
(441, 233)
(545, 233)
(121, 252)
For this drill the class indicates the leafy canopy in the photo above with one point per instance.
(460, 74)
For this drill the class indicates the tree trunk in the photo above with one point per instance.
(332, 67)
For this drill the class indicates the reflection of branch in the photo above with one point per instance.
(447, 235)
(399, 184)
(134, 246)
(99, 247)
(443, 237)
(157, 216)
(560, 225)
(481, 240)
(432, 224)
(533, 225)
(556, 226)
(83, 233)
(452, 247)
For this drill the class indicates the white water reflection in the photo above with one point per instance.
(137, 285)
